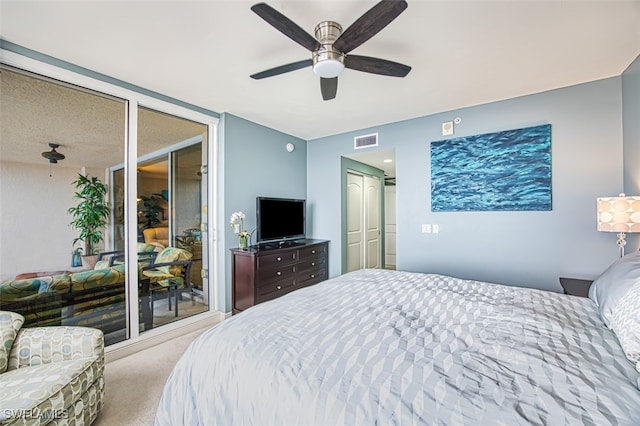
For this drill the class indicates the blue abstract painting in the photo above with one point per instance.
(502, 171)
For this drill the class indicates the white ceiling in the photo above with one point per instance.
(463, 53)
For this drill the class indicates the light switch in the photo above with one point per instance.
(436, 228)
(426, 228)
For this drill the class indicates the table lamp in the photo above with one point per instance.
(619, 214)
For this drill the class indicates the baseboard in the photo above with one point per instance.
(162, 334)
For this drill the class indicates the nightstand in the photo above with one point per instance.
(575, 286)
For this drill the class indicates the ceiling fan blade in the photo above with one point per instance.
(285, 26)
(376, 66)
(282, 69)
(329, 88)
(369, 24)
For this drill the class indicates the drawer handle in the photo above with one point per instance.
(279, 259)
(313, 263)
(313, 252)
(278, 273)
(313, 276)
(278, 287)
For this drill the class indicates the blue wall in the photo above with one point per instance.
(255, 163)
(631, 127)
(631, 135)
(519, 248)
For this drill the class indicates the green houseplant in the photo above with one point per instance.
(152, 207)
(91, 213)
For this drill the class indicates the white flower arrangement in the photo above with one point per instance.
(237, 223)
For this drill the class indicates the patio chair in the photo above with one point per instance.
(169, 273)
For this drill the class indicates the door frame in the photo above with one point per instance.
(347, 164)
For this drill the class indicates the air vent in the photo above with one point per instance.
(365, 141)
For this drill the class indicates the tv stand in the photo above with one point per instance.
(268, 271)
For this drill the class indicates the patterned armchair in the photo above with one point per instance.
(49, 374)
(157, 236)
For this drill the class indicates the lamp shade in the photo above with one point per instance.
(619, 214)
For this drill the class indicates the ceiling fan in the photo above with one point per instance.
(331, 46)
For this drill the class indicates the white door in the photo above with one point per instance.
(372, 221)
(355, 219)
(363, 221)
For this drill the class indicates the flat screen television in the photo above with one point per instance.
(280, 219)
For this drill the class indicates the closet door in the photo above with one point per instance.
(355, 219)
(372, 221)
(363, 221)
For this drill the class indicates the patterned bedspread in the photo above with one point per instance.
(398, 348)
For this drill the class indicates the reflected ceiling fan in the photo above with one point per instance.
(331, 46)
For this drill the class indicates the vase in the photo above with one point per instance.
(243, 242)
(89, 261)
(76, 259)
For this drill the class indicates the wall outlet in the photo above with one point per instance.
(426, 228)
(436, 228)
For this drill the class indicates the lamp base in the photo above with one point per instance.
(621, 242)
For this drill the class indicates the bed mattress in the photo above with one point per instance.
(400, 348)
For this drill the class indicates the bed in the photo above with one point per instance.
(399, 348)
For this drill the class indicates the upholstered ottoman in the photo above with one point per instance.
(49, 375)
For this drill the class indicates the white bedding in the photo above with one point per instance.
(385, 347)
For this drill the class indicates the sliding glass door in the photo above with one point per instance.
(58, 144)
(172, 190)
(154, 168)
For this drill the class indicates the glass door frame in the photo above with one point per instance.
(133, 99)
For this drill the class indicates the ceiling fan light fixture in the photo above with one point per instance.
(53, 156)
(327, 62)
(329, 68)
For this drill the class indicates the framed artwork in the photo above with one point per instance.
(503, 171)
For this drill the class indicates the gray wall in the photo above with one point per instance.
(256, 163)
(631, 135)
(518, 248)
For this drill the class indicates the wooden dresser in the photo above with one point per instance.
(265, 272)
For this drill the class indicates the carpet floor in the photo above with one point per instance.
(133, 384)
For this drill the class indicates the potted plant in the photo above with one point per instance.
(90, 215)
(153, 206)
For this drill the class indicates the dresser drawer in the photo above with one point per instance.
(274, 273)
(275, 288)
(314, 262)
(282, 258)
(308, 252)
(312, 276)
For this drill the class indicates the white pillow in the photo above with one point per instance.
(625, 323)
(609, 288)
